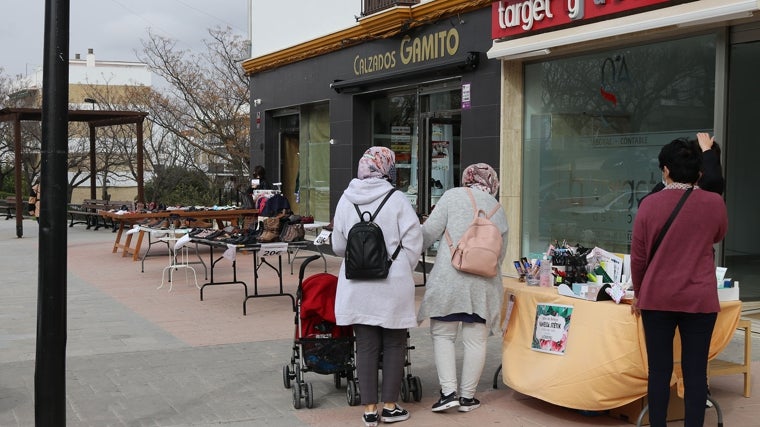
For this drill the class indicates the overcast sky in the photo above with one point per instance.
(114, 28)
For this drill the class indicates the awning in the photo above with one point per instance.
(693, 13)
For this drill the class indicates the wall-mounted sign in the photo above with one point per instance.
(412, 50)
(510, 18)
(466, 100)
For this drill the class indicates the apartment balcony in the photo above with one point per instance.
(373, 6)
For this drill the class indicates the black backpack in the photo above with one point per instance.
(366, 255)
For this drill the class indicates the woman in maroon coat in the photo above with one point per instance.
(674, 284)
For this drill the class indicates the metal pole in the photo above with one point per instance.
(17, 165)
(140, 160)
(93, 164)
(50, 362)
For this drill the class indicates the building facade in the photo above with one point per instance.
(413, 78)
(592, 90)
(93, 85)
(571, 103)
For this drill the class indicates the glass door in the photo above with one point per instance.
(441, 147)
(427, 156)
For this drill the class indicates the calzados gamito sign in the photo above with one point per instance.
(412, 50)
(510, 18)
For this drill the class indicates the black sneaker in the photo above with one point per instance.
(446, 402)
(467, 405)
(371, 419)
(396, 414)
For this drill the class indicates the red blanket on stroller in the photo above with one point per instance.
(318, 307)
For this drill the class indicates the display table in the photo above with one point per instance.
(168, 238)
(604, 365)
(260, 253)
(319, 240)
(179, 258)
(128, 219)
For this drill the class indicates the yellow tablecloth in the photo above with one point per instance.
(604, 365)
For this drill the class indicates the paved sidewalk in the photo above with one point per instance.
(141, 356)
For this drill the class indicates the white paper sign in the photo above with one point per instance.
(182, 241)
(272, 249)
(231, 252)
(323, 238)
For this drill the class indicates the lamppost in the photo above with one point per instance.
(92, 101)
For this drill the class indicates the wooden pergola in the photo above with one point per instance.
(94, 119)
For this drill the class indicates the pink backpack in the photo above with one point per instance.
(478, 250)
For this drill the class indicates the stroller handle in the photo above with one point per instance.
(304, 264)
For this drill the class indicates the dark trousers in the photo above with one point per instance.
(371, 342)
(695, 330)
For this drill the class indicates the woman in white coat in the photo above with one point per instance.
(380, 310)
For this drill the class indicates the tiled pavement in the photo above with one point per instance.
(138, 356)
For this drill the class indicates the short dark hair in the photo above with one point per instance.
(259, 171)
(683, 157)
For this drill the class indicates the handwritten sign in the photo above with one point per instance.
(272, 249)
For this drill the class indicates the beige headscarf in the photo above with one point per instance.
(481, 176)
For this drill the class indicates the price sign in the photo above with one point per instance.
(323, 238)
(272, 249)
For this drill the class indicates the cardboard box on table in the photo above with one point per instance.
(631, 411)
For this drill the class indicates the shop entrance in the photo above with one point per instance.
(423, 128)
(741, 248)
(289, 167)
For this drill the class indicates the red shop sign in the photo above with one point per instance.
(511, 18)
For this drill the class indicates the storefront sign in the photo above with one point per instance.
(412, 50)
(511, 18)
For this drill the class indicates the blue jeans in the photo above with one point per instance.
(695, 330)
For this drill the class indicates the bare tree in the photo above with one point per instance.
(31, 136)
(163, 149)
(206, 102)
(6, 135)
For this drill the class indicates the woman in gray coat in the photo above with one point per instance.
(455, 300)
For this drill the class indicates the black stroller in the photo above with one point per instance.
(319, 345)
(322, 347)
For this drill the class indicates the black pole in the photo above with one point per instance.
(50, 362)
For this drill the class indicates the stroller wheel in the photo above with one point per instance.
(309, 396)
(352, 393)
(297, 395)
(336, 378)
(405, 386)
(297, 375)
(286, 376)
(417, 388)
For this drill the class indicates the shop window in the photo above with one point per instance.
(594, 125)
(394, 125)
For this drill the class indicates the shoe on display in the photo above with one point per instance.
(394, 415)
(446, 402)
(371, 419)
(467, 405)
